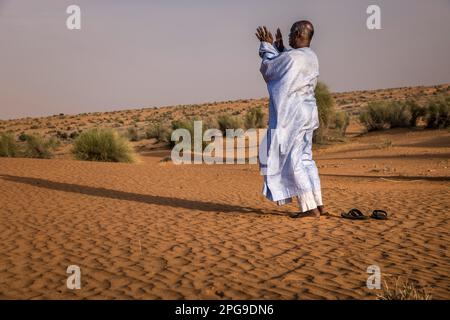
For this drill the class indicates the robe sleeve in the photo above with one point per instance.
(274, 64)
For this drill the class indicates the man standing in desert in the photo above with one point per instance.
(291, 77)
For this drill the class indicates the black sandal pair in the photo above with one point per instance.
(355, 214)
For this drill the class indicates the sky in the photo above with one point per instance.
(135, 53)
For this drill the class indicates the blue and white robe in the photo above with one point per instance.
(286, 156)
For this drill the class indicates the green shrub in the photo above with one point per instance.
(74, 135)
(133, 134)
(416, 111)
(8, 146)
(399, 115)
(438, 113)
(38, 147)
(375, 116)
(103, 145)
(255, 118)
(182, 124)
(208, 123)
(226, 121)
(62, 135)
(341, 122)
(392, 114)
(325, 109)
(23, 137)
(325, 104)
(159, 132)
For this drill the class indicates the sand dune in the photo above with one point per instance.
(156, 230)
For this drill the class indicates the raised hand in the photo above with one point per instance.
(279, 41)
(264, 35)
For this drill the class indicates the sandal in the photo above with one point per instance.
(379, 215)
(353, 214)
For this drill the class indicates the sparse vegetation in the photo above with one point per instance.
(62, 135)
(133, 134)
(8, 146)
(74, 135)
(226, 121)
(255, 118)
(325, 103)
(39, 147)
(403, 290)
(23, 137)
(158, 131)
(399, 115)
(325, 108)
(416, 112)
(392, 114)
(376, 115)
(438, 113)
(341, 122)
(103, 145)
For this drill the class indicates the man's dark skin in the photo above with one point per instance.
(299, 37)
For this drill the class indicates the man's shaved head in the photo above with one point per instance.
(303, 29)
(301, 32)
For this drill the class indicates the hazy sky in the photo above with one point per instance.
(136, 53)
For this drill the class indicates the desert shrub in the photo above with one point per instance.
(325, 108)
(416, 111)
(375, 116)
(226, 121)
(325, 104)
(133, 134)
(341, 122)
(183, 124)
(62, 135)
(208, 123)
(254, 118)
(403, 290)
(158, 131)
(8, 146)
(392, 114)
(23, 137)
(39, 147)
(73, 135)
(398, 115)
(102, 145)
(438, 113)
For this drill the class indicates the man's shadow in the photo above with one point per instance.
(144, 198)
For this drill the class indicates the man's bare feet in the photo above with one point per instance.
(314, 213)
(323, 211)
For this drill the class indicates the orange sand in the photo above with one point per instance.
(157, 230)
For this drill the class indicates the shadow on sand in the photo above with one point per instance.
(144, 198)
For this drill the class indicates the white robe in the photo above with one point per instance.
(291, 78)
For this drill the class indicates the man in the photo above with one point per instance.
(291, 77)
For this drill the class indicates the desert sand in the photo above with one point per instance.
(155, 230)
